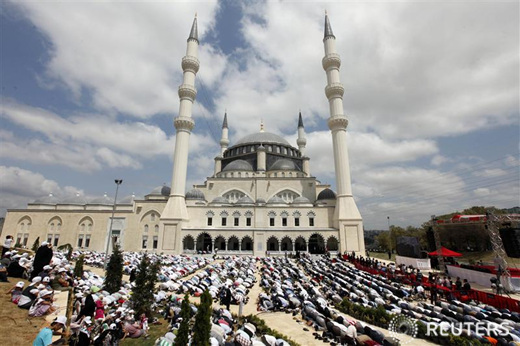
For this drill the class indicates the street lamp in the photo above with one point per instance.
(118, 182)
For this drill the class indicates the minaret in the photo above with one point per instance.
(224, 141)
(346, 215)
(301, 141)
(175, 210)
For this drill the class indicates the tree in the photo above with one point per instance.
(383, 240)
(202, 327)
(183, 335)
(114, 271)
(142, 294)
(78, 268)
(36, 244)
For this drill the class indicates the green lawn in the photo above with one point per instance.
(155, 332)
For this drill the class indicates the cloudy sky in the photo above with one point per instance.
(89, 92)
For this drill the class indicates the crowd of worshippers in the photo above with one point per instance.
(228, 281)
(340, 281)
(297, 289)
(225, 329)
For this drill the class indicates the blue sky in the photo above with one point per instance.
(89, 91)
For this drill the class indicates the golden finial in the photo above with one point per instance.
(196, 14)
(261, 125)
(325, 13)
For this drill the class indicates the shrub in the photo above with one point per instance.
(78, 268)
(114, 271)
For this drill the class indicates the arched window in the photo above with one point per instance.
(223, 218)
(236, 218)
(272, 216)
(233, 196)
(249, 217)
(284, 216)
(152, 217)
(297, 216)
(146, 228)
(287, 195)
(311, 216)
(156, 228)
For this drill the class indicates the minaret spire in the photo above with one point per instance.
(328, 28)
(301, 141)
(224, 141)
(346, 214)
(175, 211)
(194, 35)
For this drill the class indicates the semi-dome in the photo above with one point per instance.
(49, 200)
(283, 165)
(195, 194)
(162, 190)
(105, 200)
(220, 200)
(275, 200)
(76, 200)
(246, 200)
(238, 165)
(326, 194)
(262, 137)
(127, 200)
(301, 200)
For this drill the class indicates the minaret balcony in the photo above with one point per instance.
(338, 122)
(188, 92)
(331, 61)
(334, 90)
(184, 123)
(190, 63)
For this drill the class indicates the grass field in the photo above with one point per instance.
(16, 327)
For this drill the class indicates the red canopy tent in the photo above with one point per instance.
(445, 253)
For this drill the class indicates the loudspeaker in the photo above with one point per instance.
(511, 239)
(408, 247)
(430, 238)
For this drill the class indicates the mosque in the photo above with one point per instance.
(260, 200)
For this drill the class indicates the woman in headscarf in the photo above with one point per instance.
(42, 258)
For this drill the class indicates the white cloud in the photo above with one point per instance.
(493, 172)
(410, 70)
(125, 55)
(438, 160)
(481, 192)
(18, 186)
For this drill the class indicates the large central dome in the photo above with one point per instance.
(262, 137)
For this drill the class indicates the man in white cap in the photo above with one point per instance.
(44, 337)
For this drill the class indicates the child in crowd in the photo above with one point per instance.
(16, 291)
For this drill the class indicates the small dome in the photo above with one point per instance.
(301, 200)
(195, 194)
(283, 165)
(238, 165)
(220, 200)
(275, 200)
(246, 200)
(260, 201)
(127, 200)
(162, 190)
(262, 137)
(76, 200)
(49, 200)
(105, 200)
(326, 194)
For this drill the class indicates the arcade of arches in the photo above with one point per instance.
(315, 244)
